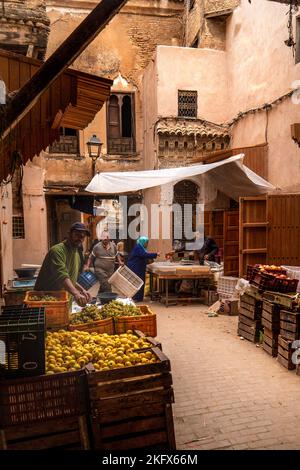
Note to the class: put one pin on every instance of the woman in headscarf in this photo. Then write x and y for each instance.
(138, 263)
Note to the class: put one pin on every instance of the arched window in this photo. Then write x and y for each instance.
(121, 124)
(186, 196)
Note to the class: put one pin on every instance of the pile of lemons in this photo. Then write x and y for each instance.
(68, 351)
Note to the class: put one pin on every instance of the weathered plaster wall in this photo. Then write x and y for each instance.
(150, 115)
(194, 18)
(34, 246)
(24, 23)
(260, 69)
(209, 32)
(6, 242)
(125, 46)
(203, 70)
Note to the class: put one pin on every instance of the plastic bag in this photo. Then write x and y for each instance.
(242, 286)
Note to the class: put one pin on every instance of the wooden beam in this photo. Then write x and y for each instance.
(62, 58)
(218, 14)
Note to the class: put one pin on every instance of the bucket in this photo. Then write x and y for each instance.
(87, 280)
(106, 297)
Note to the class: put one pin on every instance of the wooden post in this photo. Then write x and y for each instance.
(62, 58)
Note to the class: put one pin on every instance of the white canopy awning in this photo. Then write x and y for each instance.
(229, 176)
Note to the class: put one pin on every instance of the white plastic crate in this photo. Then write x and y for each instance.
(227, 284)
(294, 273)
(125, 281)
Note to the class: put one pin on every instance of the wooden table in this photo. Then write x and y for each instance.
(206, 279)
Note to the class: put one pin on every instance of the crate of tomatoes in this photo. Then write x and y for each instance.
(272, 278)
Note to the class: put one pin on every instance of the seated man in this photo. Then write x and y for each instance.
(208, 250)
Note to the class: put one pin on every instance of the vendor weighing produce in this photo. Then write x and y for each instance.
(63, 264)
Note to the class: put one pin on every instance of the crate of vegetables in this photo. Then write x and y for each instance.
(91, 319)
(56, 305)
(131, 317)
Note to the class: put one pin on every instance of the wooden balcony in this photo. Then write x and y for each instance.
(120, 146)
(67, 144)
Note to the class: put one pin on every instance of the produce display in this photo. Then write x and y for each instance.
(43, 298)
(88, 314)
(118, 309)
(68, 351)
(270, 269)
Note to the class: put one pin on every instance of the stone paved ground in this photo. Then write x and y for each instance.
(229, 394)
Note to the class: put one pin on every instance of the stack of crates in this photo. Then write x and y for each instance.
(228, 294)
(289, 333)
(250, 313)
(271, 324)
(22, 341)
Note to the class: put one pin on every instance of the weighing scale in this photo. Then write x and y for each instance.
(22, 283)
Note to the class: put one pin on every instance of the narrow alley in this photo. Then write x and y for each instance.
(229, 394)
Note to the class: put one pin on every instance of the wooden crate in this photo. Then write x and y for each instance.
(57, 312)
(290, 325)
(247, 330)
(254, 293)
(284, 300)
(145, 323)
(153, 342)
(271, 308)
(270, 342)
(270, 324)
(43, 398)
(289, 335)
(250, 307)
(249, 322)
(289, 316)
(59, 434)
(285, 353)
(98, 326)
(131, 408)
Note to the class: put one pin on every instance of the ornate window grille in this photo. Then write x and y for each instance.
(187, 103)
(18, 226)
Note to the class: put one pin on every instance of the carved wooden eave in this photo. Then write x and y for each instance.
(191, 127)
(181, 141)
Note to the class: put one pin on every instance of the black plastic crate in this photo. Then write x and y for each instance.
(22, 330)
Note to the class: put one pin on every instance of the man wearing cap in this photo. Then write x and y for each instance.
(63, 264)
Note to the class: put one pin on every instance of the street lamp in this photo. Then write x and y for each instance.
(94, 146)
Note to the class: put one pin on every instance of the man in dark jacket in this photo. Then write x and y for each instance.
(208, 250)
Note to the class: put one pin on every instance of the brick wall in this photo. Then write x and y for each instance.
(211, 32)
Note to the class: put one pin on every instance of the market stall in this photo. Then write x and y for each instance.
(269, 312)
(93, 379)
(163, 273)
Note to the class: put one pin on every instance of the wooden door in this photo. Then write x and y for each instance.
(284, 229)
(231, 243)
(207, 222)
(253, 232)
(217, 228)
